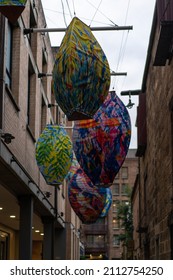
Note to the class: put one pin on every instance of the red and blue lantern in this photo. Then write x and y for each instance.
(101, 144)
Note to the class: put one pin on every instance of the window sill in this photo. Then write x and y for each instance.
(9, 92)
(31, 133)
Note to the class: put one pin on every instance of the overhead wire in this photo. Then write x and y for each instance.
(69, 9)
(101, 13)
(123, 44)
(95, 12)
(74, 8)
(67, 14)
(63, 13)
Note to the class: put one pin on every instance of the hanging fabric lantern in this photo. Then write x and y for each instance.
(73, 168)
(54, 154)
(101, 144)
(12, 9)
(108, 202)
(81, 74)
(87, 201)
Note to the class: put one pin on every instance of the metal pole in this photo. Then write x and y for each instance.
(118, 73)
(41, 75)
(103, 28)
(131, 92)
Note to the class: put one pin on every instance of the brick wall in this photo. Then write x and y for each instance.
(156, 164)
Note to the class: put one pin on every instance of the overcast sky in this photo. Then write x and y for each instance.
(125, 50)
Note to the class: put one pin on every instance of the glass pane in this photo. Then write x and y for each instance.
(115, 189)
(124, 172)
(9, 56)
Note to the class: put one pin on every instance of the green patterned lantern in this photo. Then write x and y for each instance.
(81, 74)
(12, 9)
(54, 154)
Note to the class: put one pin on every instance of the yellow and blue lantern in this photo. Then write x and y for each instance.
(54, 154)
(12, 9)
(81, 74)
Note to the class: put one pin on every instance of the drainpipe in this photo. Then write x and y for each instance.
(2, 80)
(139, 200)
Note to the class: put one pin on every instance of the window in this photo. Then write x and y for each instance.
(124, 189)
(44, 68)
(95, 239)
(58, 115)
(114, 205)
(115, 223)
(43, 115)
(30, 91)
(33, 22)
(124, 172)
(31, 101)
(115, 189)
(117, 176)
(9, 56)
(116, 241)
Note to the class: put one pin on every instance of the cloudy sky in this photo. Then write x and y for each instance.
(125, 50)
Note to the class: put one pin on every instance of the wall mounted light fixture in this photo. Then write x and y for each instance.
(8, 137)
(130, 93)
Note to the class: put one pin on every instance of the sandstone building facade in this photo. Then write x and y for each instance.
(153, 192)
(36, 221)
(101, 239)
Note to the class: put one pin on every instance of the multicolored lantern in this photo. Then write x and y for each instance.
(108, 202)
(54, 154)
(12, 9)
(81, 74)
(101, 144)
(86, 200)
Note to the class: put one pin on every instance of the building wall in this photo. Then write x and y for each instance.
(99, 238)
(156, 163)
(24, 100)
(126, 176)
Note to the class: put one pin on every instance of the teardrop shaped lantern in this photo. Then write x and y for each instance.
(101, 144)
(54, 154)
(108, 202)
(86, 200)
(12, 9)
(81, 69)
(73, 168)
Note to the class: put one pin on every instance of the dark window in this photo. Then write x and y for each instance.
(31, 75)
(115, 223)
(116, 241)
(8, 78)
(124, 189)
(115, 189)
(124, 172)
(43, 115)
(95, 239)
